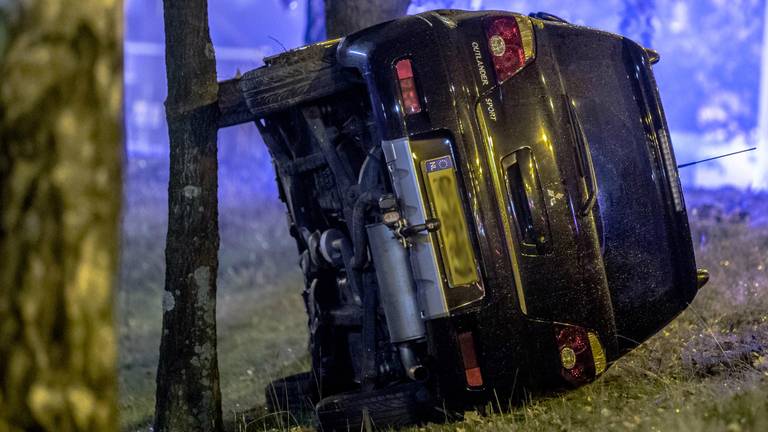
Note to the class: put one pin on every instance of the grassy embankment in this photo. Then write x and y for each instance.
(708, 370)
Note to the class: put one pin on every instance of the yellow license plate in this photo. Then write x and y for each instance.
(455, 246)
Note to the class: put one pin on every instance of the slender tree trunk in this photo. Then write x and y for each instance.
(60, 157)
(343, 17)
(188, 396)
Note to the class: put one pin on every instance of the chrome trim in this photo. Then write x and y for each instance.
(426, 270)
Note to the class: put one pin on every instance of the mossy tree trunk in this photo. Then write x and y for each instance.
(60, 159)
(188, 396)
(343, 17)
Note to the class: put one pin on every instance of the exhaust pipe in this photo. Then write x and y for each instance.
(413, 369)
(397, 292)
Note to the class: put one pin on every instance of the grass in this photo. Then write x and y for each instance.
(708, 370)
(260, 314)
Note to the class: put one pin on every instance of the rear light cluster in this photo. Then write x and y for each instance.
(408, 94)
(582, 357)
(510, 42)
(471, 366)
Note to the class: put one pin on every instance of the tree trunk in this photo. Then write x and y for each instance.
(188, 396)
(60, 158)
(343, 17)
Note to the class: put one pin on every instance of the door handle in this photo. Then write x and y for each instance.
(526, 201)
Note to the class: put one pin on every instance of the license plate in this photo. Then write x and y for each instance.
(453, 237)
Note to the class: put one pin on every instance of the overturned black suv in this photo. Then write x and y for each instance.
(485, 204)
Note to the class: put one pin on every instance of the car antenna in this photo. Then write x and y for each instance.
(716, 157)
(274, 39)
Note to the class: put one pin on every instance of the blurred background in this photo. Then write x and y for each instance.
(709, 76)
(710, 82)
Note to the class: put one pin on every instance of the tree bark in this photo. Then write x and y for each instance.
(343, 17)
(60, 158)
(188, 397)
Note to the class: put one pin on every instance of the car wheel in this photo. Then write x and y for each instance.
(395, 406)
(295, 77)
(293, 396)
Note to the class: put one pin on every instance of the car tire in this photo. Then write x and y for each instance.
(390, 407)
(294, 396)
(295, 77)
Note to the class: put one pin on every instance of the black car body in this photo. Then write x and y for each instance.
(535, 196)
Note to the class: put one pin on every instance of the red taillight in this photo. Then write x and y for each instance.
(581, 355)
(408, 94)
(574, 338)
(471, 366)
(510, 47)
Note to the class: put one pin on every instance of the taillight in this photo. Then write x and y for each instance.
(582, 357)
(510, 41)
(471, 367)
(408, 94)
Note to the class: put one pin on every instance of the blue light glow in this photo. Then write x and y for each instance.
(708, 76)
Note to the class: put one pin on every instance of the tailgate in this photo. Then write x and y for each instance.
(645, 237)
